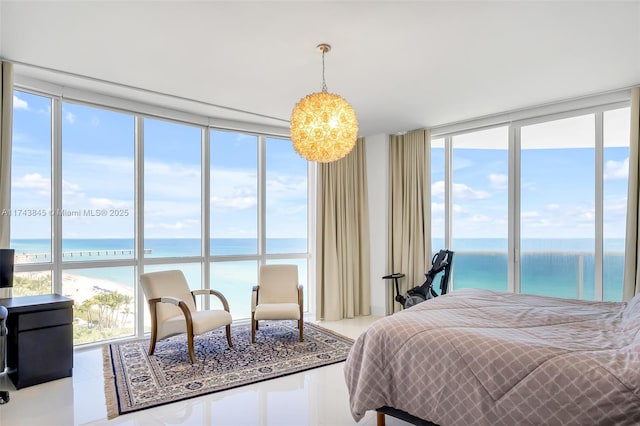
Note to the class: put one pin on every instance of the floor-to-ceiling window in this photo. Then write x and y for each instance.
(615, 162)
(235, 217)
(286, 208)
(96, 219)
(538, 205)
(480, 168)
(101, 195)
(557, 207)
(31, 193)
(438, 196)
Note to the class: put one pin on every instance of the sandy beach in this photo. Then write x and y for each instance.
(81, 288)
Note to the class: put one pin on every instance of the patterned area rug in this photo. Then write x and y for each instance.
(135, 381)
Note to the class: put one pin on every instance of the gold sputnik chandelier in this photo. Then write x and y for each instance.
(324, 127)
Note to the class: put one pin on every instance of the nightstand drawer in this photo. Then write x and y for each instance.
(50, 318)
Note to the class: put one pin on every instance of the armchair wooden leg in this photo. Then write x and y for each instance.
(380, 420)
(154, 329)
(152, 344)
(253, 327)
(300, 328)
(190, 345)
(229, 335)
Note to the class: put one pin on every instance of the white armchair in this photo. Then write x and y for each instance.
(172, 306)
(278, 296)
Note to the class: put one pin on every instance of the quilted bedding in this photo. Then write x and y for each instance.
(479, 357)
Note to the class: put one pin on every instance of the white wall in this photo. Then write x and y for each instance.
(377, 149)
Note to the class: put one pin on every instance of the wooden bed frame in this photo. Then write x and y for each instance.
(399, 414)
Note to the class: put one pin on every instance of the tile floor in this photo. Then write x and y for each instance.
(314, 397)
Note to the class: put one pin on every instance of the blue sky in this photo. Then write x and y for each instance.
(98, 162)
(557, 180)
(98, 173)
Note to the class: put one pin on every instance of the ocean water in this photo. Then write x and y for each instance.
(555, 267)
(234, 279)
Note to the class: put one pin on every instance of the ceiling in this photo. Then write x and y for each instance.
(402, 65)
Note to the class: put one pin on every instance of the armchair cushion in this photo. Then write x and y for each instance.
(274, 311)
(203, 322)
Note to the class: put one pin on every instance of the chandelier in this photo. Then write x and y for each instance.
(324, 127)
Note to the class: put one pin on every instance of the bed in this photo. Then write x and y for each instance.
(480, 357)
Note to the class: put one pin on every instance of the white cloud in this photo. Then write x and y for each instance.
(552, 207)
(234, 202)
(179, 225)
(33, 181)
(460, 191)
(530, 214)
(234, 189)
(95, 121)
(70, 118)
(499, 181)
(587, 216)
(437, 189)
(616, 169)
(20, 103)
(616, 206)
(465, 192)
(107, 203)
(69, 188)
(480, 218)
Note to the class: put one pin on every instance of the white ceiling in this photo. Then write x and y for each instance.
(402, 65)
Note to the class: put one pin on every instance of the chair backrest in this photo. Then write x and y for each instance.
(167, 284)
(278, 284)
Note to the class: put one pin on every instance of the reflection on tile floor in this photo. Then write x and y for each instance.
(314, 397)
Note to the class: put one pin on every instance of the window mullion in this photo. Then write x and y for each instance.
(448, 195)
(206, 209)
(56, 182)
(513, 261)
(138, 198)
(599, 207)
(262, 191)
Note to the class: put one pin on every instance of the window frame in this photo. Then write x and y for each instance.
(515, 121)
(140, 112)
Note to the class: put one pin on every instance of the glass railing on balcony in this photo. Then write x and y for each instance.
(567, 274)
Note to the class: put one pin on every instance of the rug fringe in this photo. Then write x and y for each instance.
(109, 384)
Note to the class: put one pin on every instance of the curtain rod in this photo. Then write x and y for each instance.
(140, 89)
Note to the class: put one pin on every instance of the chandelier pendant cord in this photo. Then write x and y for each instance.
(324, 84)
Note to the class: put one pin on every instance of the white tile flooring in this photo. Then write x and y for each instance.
(314, 397)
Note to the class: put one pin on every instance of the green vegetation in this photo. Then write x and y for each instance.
(104, 316)
(25, 286)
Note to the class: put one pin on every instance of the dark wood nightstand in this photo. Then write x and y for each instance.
(40, 338)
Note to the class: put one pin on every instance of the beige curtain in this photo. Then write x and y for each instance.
(631, 284)
(6, 125)
(409, 210)
(342, 238)
(6, 117)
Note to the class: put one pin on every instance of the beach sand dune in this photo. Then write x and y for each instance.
(81, 288)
